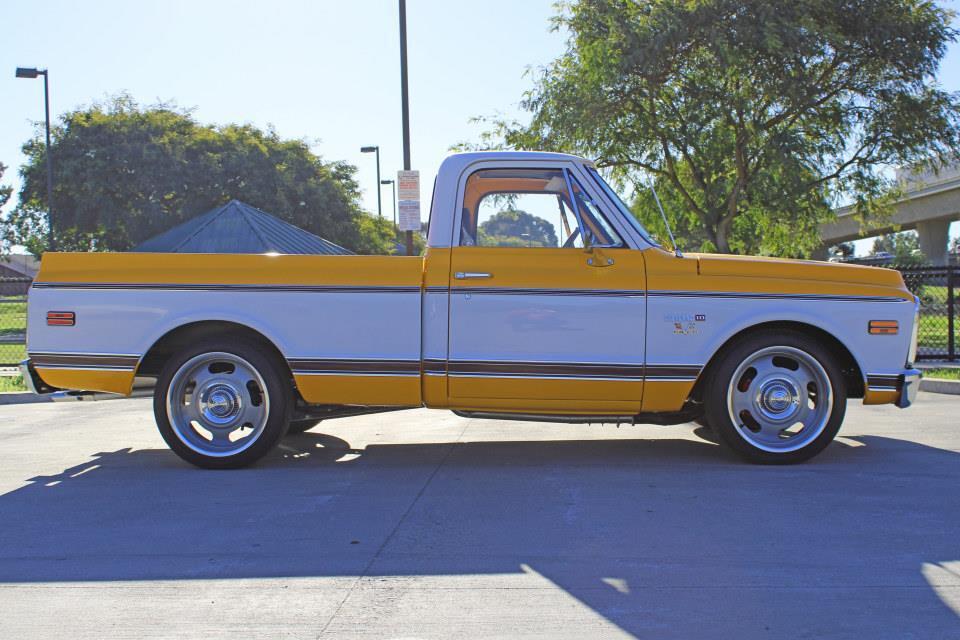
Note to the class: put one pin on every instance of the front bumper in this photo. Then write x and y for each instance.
(909, 385)
(33, 380)
(893, 388)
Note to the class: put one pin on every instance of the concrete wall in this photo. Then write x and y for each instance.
(930, 203)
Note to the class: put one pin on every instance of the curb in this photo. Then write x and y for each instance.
(22, 397)
(939, 385)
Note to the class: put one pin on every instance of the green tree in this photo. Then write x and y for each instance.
(512, 227)
(379, 236)
(904, 246)
(124, 173)
(752, 117)
(5, 190)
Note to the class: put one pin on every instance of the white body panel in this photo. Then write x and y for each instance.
(301, 324)
(726, 317)
(546, 328)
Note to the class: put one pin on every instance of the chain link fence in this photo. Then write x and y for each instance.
(13, 320)
(937, 289)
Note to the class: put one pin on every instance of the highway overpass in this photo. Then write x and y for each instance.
(931, 201)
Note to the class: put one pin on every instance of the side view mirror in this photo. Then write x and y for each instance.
(598, 258)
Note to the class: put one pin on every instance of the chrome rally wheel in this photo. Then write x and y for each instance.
(223, 403)
(217, 404)
(780, 399)
(776, 397)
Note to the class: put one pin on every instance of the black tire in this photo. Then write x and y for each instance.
(736, 436)
(276, 380)
(301, 426)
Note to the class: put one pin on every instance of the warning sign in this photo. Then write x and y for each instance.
(408, 200)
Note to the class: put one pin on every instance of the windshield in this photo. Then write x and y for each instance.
(624, 209)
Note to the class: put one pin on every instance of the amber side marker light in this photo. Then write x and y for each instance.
(883, 327)
(61, 318)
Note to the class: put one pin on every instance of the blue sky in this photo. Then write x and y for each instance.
(321, 70)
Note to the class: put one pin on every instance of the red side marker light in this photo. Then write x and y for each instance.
(61, 318)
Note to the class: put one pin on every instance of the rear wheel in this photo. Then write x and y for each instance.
(776, 398)
(222, 404)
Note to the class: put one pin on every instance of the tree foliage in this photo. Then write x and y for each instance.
(5, 190)
(753, 118)
(124, 173)
(379, 236)
(512, 227)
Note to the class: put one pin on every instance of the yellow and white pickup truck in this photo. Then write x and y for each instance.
(539, 297)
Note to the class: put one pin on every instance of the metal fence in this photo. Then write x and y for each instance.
(937, 289)
(13, 320)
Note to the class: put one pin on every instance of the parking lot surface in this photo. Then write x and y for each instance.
(420, 524)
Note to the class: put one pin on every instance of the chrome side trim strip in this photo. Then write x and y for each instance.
(884, 381)
(85, 361)
(604, 293)
(258, 288)
(774, 296)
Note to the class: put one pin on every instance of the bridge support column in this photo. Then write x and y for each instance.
(934, 237)
(823, 253)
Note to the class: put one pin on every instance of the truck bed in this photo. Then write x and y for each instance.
(348, 326)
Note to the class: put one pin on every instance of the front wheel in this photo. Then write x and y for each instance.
(223, 403)
(776, 398)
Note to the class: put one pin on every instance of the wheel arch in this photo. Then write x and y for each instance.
(189, 333)
(849, 367)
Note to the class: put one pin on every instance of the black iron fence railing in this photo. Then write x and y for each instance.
(13, 320)
(937, 289)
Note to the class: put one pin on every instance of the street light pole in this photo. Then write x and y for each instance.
(23, 72)
(375, 149)
(405, 103)
(392, 183)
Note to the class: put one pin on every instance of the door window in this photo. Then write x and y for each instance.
(519, 208)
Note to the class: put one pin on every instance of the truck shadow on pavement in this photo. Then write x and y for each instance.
(661, 537)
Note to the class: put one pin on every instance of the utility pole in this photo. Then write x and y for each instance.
(405, 103)
(375, 149)
(32, 72)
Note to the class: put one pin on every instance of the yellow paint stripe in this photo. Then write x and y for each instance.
(665, 395)
(153, 268)
(88, 379)
(880, 396)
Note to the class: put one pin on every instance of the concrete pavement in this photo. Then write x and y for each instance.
(423, 525)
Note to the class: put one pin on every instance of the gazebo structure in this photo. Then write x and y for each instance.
(237, 227)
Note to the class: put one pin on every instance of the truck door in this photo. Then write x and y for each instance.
(547, 303)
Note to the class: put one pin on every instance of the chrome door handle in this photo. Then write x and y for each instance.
(470, 275)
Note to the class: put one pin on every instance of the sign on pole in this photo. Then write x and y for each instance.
(408, 200)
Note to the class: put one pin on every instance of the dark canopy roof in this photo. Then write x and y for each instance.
(236, 227)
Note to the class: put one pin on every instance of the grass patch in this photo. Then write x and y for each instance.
(13, 328)
(12, 383)
(943, 373)
(933, 331)
(12, 354)
(13, 316)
